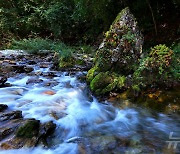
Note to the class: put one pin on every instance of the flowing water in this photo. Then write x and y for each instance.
(85, 125)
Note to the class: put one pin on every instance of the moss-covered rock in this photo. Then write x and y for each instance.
(91, 73)
(122, 45)
(105, 82)
(117, 56)
(29, 129)
(101, 81)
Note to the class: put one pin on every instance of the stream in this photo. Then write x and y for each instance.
(85, 125)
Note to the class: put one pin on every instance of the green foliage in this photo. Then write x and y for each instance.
(72, 20)
(129, 36)
(43, 46)
(155, 68)
(66, 56)
(58, 15)
(175, 66)
(121, 81)
(160, 58)
(86, 49)
(36, 45)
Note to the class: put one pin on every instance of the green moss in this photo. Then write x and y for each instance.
(121, 81)
(103, 59)
(107, 82)
(110, 87)
(80, 62)
(101, 81)
(91, 73)
(29, 129)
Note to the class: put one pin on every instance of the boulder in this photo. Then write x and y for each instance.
(118, 55)
(122, 45)
(29, 129)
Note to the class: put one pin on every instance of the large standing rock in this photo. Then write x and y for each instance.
(122, 45)
(120, 50)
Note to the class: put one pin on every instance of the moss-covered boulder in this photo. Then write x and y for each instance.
(105, 82)
(29, 129)
(122, 45)
(117, 56)
(100, 82)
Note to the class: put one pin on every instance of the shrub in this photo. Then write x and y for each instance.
(155, 68)
(160, 58)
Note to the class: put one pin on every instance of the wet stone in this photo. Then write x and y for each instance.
(31, 62)
(48, 128)
(29, 129)
(11, 115)
(5, 132)
(34, 80)
(3, 107)
(2, 80)
(103, 144)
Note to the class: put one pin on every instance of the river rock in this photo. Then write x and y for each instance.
(44, 65)
(3, 107)
(34, 80)
(47, 128)
(10, 115)
(11, 68)
(31, 62)
(16, 132)
(122, 45)
(28, 129)
(50, 83)
(3, 79)
(22, 68)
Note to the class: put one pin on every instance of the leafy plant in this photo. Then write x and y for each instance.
(156, 67)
